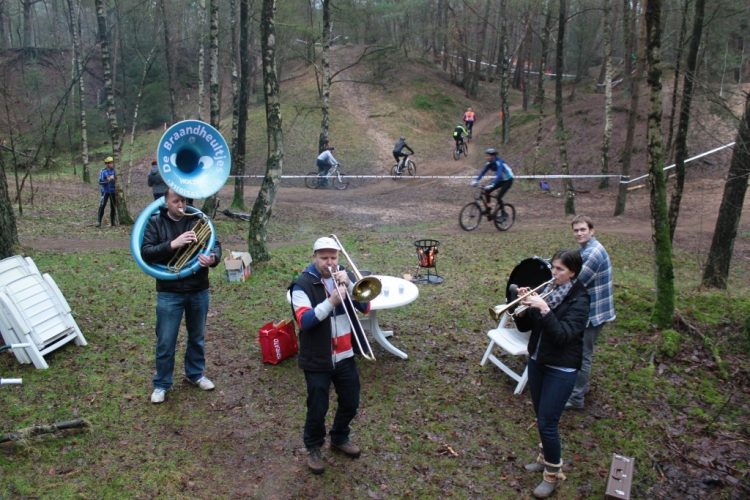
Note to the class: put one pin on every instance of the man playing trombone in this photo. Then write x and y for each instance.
(326, 353)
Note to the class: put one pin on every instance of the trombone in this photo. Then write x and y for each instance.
(368, 355)
(365, 289)
(497, 311)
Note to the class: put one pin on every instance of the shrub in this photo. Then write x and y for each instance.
(670, 343)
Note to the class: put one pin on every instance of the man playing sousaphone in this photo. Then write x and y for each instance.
(326, 353)
(168, 232)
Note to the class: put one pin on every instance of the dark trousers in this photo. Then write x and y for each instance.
(345, 378)
(550, 389)
(500, 189)
(398, 157)
(103, 202)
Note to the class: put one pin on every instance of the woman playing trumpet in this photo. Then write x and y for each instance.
(556, 318)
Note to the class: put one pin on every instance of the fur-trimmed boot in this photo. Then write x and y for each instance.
(551, 478)
(538, 464)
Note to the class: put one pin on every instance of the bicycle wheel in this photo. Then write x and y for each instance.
(457, 153)
(504, 222)
(470, 216)
(411, 168)
(340, 181)
(465, 149)
(312, 182)
(395, 173)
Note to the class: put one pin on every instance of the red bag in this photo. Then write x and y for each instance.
(278, 341)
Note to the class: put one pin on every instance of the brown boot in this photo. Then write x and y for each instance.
(550, 479)
(349, 449)
(315, 461)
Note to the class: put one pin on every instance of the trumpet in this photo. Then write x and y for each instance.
(497, 311)
(368, 355)
(365, 289)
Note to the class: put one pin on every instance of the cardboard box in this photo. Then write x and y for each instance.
(238, 266)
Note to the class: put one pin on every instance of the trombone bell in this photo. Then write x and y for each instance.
(366, 289)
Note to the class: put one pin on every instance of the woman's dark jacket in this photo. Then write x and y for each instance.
(156, 249)
(561, 329)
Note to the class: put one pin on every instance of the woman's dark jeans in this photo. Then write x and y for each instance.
(550, 389)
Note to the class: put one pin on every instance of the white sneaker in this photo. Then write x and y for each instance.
(204, 383)
(158, 396)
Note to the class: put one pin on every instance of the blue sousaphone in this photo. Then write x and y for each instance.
(194, 161)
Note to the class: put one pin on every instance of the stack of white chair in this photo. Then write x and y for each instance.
(513, 342)
(33, 311)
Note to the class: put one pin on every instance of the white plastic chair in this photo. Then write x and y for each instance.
(512, 342)
(15, 267)
(35, 311)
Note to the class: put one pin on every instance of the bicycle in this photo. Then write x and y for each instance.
(461, 148)
(9, 381)
(333, 177)
(406, 165)
(473, 213)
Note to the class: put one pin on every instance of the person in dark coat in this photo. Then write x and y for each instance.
(556, 319)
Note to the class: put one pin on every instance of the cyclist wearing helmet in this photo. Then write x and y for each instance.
(107, 179)
(398, 153)
(458, 134)
(503, 177)
(324, 162)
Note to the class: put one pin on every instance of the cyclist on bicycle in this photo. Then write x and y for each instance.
(324, 162)
(503, 178)
(398, 152)
(458, 135)
(469, 117)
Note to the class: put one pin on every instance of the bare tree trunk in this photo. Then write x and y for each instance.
(604, 183)
(8, 228)
(629, 42)
(682, 126)
(627, 149)
(664, 304)
(502, 61)
(74, 19)
(561, 134)
(28, 9)
(209, 204)
(202, 55)
(147, 63)
(325, 76)
(472, 88)
(4, 42)
(169, 61)
(261, 213)
(540, 83)
(676, 86)
(716, 272)
(123, 216)
(238, 201)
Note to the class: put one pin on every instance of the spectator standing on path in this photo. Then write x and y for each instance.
(158, 186)
(107, 180)
(596, 275)
(166, 233)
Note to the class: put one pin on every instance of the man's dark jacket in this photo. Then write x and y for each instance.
(160, 231)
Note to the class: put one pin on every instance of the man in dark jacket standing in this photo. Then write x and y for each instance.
(157, 184)
(107, 180)
(165, 234)
(326, 352)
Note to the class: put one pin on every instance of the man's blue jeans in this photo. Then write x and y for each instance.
(169, 309)
(345, 379)
(323, 168)
(550, 389)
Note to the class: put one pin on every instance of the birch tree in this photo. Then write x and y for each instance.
(168, 59)
(323, 77)
(209, 204)
(261, 213)
(115, 134)
(664, 304)
(74, 22)
(562, 140)
(244, 89)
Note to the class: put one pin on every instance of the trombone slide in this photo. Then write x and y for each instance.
(368, 354)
